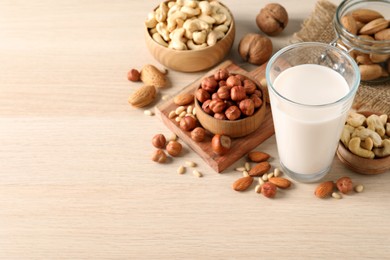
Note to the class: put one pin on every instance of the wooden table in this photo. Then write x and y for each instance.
(76, 179)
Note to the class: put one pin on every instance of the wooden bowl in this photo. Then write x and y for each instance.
(192, 60)
(359, 164)
(235, 128)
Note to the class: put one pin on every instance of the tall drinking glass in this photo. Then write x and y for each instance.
(311, 88)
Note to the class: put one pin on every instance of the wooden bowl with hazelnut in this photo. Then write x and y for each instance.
(362, 154)
(229, 104)
(179, 40)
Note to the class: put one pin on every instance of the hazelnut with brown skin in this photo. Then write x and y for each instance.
(159, 141)
(217, 105)
(221, 74)
(233, 81)
(249, 86)
(272, 19)
(188, 123)
(206, 107)
(256, 100)
(237, 93)
(209, 84)
(247, 107)
(233, 113)
(255, 48)
(202, 95)
(215, 96)
(224, 92)
(174, 148)
(220, 116)
(198, 134)
(344, 185)
(159, 156)
(269, 190)
(133, 75)
(220, 144)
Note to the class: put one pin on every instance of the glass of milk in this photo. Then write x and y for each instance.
(311, 88)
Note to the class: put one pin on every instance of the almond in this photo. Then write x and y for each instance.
(256, 156)
(383, 35)
(142, 96)
(324, 190)
(349, 24)
(242, 183)
(365, 15)
(374, 26)
(370, 72)
(259, 169)
(280, 182)
(183, 99)
(150, 75)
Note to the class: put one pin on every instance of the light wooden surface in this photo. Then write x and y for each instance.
(76, 179)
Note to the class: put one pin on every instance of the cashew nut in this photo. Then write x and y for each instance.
(207, 18)
(192, 46)
(363, 133)
(355, 119)
(383, 118)
(354, 147)
(219, 9)
(157, 37)
(163, 31)
(199, 37)
(388, 129)
(205, 7)
(193, 25)
(171, 4)
(346, 134)
(368, 144)
(385, 150)
(189, 11)
(214, 36)
(223, 28)
(191, 3)
(172, 20)
(180, 3)
(151, 22)
(162, 12)
(219, 18)
(375, 124)
(177, 39)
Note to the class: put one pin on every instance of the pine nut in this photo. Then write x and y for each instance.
(247, 166)
(149, 113)
(177, 119)
(245, 173)
(189, 109)
(265, 177)
(359, 188)
(165, 97)
(277, 172)
(194, 111)
(261, 182)
(258, 188)
(270, 175)
(181, 169)
(240, 169)
(190, 163)
(179, 110)
(172, 114)
(336, 195)
(182, 114)
(173, 137)
(197, 173)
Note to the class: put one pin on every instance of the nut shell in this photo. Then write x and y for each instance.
(255, 49)
(272, 19)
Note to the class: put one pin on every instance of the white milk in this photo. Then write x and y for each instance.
(307, 136)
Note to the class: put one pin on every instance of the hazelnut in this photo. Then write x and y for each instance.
(247, 107)
(224, 92)
(258, 93)
(222, 83)
(220, 144)
(159, 156)
(229, 103)
(272, 19)
(198, 134)
(187, 123)
(233, 113)
(217, 105)
(209, 84)
(241, 77)
(202, 95)
(220, 116)
(256, 101)
(221, 74)
(174, 148)
(255, 49)
(159, 141)
(344, 185)
(269, 189)
(133, 75)
(232, 81)
(206, 107)
(237, 93)
(249, 86)
(215, 96)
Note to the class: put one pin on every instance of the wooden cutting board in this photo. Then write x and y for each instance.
(240, 146)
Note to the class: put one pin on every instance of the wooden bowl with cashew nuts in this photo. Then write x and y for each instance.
(370, 163)
(189, 36)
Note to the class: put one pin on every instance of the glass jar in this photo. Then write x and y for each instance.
(371, 54)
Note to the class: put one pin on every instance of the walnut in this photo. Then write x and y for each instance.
(255, 49)
(272, 19)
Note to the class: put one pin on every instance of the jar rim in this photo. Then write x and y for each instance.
(353, 40)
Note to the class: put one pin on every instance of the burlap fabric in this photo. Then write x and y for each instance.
(318, 27)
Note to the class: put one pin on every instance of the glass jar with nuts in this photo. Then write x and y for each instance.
(363, 29)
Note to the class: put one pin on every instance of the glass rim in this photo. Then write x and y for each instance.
(351, 91)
